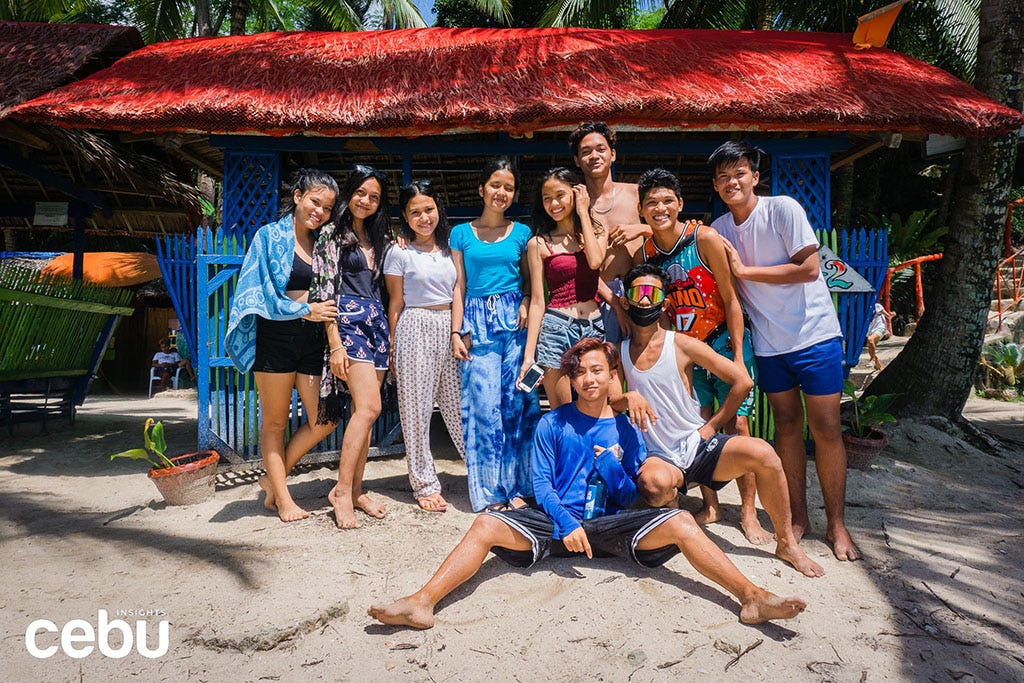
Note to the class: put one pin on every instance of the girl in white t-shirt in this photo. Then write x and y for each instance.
(420, 279)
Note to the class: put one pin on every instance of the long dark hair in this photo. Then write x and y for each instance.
(406, 195)
(304, 180)
(378, 226)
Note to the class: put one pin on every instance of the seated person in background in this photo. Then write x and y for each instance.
(570, 443)
(684, 448)
(878, 329)
(166, 363)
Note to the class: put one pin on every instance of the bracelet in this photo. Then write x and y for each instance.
(337, 348)
(457, 333)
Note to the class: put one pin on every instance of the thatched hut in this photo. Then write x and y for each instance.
(436, 101)
(111, 186)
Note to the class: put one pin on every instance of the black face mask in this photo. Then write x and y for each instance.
(644, 317)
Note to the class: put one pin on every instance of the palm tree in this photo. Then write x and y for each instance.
(953, 327)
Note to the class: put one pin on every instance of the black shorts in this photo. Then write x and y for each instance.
(702, 469)
(289, 346)
(612, 535)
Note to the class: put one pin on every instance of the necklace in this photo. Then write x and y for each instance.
(611, 203)
(430, 251)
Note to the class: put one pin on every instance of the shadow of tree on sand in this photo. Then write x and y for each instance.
(33, 518)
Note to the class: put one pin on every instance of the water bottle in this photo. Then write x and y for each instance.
(597, 496)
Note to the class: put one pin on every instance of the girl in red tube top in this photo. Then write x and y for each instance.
(564, 255)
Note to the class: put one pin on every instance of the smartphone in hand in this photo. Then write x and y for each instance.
(531, 379)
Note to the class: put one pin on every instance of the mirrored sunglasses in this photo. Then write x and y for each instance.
(638, 293)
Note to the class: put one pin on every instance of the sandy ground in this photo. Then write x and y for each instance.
(940, 595)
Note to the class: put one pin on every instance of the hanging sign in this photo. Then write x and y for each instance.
(838, 275)
(51, 214)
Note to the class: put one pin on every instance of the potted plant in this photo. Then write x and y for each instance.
(861, 435)
(182, 480)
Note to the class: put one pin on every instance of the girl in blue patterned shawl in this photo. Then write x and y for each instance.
(276, 333)
(347, 267)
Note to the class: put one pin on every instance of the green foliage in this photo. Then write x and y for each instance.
(1004, 363)
(912, 236)
(153, 442)
(867, 411)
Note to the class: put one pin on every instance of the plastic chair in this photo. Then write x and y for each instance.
(155, 377)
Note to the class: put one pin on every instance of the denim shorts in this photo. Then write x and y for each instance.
(710, 388)
(817, 369)
(363, 326)
(559, 332)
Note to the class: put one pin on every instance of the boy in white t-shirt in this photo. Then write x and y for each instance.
(773, 254)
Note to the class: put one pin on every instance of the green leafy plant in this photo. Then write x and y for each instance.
(1004, 361)
(153, 443)
(911, 236)
(867, 411)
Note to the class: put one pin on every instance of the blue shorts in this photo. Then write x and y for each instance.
(363, 325)
(710, 388)
(559, 332)
(817, 370)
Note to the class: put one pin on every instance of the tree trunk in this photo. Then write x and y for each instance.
(934, 373)
(204, 27)
(239, 13)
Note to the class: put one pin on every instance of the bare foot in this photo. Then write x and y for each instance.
(344, 514)
(768, 606)
(842, 544)
(287, 510)
(403, 612)
(708, 514)
(370, 506)
(433, 503)
(753, 531)
(795, 555)
(800, 527)
(269, 501)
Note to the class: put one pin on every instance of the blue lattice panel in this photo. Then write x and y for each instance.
(805, 178)
(867, 252)
(251, 181)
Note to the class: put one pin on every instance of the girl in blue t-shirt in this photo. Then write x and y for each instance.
(488, 334)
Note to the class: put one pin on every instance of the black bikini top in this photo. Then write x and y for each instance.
(302, 275)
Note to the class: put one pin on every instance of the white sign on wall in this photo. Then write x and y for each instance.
(51, 214)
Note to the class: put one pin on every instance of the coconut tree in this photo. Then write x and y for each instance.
(933, 374)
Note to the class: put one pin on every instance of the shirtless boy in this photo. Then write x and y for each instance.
(570, 442)
(683, 448)
(773, 254)
(613, 205)
(703, 304)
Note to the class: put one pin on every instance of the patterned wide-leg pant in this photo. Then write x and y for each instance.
(498, 420)
(426, 374)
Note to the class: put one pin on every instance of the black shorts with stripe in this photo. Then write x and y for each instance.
(612, 535)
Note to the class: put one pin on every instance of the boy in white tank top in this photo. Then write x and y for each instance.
(658, 367)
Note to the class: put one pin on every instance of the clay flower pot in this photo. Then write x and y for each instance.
(861, 451)
(190, 481)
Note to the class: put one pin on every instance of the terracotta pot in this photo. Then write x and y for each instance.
(190, 481)
(861, 451)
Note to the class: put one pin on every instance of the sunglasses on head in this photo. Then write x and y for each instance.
(638, 293)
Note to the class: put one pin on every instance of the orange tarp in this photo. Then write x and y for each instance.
(108, 268)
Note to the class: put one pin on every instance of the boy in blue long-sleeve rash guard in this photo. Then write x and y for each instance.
(566, 443)
(560, 483)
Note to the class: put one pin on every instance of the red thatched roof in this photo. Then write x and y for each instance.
(431, 81)
(35, 58)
